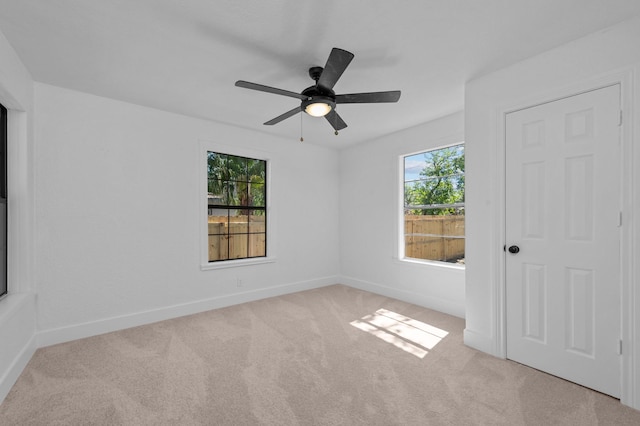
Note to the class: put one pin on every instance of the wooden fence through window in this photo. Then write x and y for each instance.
(434, 237)
(236, 237)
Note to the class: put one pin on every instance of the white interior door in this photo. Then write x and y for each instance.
(563, 213)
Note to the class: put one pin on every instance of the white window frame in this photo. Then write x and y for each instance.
(400, 213)
(208, 146)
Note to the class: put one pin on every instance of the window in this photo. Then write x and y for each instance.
(236, 207)
(3, 201)
(434, 205)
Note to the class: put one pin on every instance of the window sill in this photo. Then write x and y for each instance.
(13, 302)
(236, 263)
(431, 263)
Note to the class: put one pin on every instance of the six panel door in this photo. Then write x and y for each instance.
(563, 214)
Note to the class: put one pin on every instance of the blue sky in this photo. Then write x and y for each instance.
(414, 164)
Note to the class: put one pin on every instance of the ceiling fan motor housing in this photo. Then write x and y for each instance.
(317, 94)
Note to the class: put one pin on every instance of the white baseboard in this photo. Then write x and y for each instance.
(437, 304)
(480, 341)
(94, 328)
(17, 337)
(17, 366)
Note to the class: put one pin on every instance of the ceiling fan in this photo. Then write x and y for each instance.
(320, 100)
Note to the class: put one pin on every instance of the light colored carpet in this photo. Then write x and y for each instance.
(299, 359)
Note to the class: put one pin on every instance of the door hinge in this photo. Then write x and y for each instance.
(620, 347)
(619, 219)
(620, 119)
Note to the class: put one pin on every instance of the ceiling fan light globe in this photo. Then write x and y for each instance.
(318, 109)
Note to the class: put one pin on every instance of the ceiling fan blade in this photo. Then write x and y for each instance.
(262, 88)
(338, 61)
(283, 116)
(335, 120)
(368, 98)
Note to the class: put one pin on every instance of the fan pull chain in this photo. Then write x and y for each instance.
(301, 138)
(336, 123)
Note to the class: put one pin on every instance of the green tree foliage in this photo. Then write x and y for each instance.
(236, 181)
(441, 182)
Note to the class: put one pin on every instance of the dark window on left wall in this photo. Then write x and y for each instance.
(236, 207)
(3, 201)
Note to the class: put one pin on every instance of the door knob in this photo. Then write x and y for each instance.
(514, 249)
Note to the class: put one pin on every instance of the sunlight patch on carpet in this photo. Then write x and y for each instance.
(408, 334)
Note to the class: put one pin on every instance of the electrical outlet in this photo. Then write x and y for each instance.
(238, 282)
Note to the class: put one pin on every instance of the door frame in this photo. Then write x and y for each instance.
(630, 296)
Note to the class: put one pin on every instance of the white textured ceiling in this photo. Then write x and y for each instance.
(185, 55)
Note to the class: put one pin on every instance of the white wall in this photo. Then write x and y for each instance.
(17, 310)
(118, 211)
(611, 55)
(369, 215)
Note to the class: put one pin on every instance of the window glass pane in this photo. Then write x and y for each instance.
(434, 205)
(238, 222)
(218, 230)
(435, 237)
(257, 245)
(454, 225)
(216, 165)
(413, 166)
(218, 247)
(257, 194)
(257, 221)
(218, 221)
(245, 197)
(228, 193)
(237, 167)
(234, 184)
(238, 246)
(240, 194)
(217, 190)
(256, 168)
